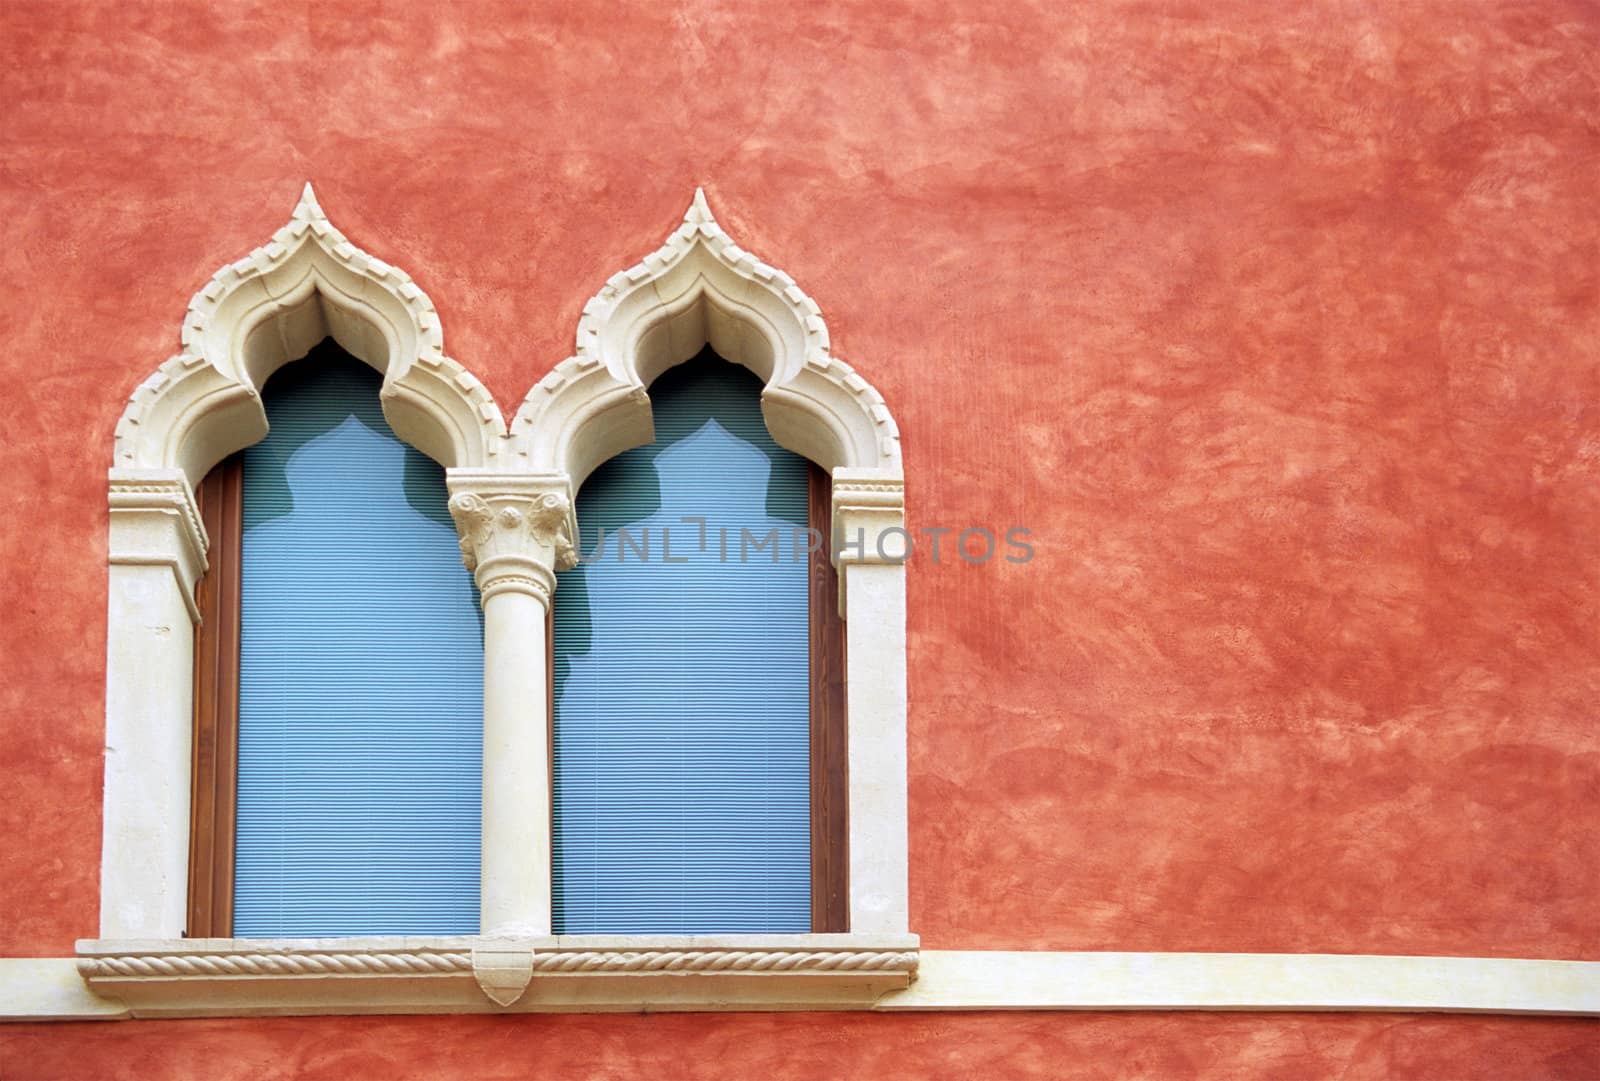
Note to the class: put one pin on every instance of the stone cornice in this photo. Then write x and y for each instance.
(155, 522)
(867, 510)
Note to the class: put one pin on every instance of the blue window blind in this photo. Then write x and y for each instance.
(682, 714)
(361, 671)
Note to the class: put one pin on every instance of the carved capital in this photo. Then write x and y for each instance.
(869, 517)
(516, 531)
(155, 522)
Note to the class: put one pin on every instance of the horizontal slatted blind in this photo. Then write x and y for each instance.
(361, 661)
(682, 784)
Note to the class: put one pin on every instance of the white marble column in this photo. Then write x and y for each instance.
(157, 554)
(515, 533)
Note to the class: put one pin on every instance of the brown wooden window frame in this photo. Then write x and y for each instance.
(215, 762)
(830, 780)
(214, 770)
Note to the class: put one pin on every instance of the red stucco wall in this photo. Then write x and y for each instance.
(1279, 325)
(990, 1047)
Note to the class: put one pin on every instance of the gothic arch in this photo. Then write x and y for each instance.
(306, 283)
(699, 289)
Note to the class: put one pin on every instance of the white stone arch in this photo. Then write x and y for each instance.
(698, 289)
(306, 283)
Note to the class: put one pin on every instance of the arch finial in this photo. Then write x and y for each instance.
(699, 212)
(308, 282)
(700, 288)
(308, 209)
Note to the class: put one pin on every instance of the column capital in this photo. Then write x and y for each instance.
(516, 530)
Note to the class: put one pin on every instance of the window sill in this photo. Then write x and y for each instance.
(470, 974)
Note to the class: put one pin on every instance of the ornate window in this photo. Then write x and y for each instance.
(692, 680)
(339, 694)
(512, 501)
(201, 406)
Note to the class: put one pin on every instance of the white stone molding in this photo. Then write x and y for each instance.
(306, 283)
(516, 530)
(1045, 980)
(220, 977)
(157, 553)
(223, 977)
(701, 288)
(503, 968)
(155, 523)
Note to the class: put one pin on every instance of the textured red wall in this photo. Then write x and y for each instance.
(990, 1047)
(1279, 325)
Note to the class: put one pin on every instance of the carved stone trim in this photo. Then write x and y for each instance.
(503, 969)
(865, 511)
(154, 522)
(896, 962)
(483, 524)
(306, 963)
(255, 314)
(133, 489)
(698, 288)
(515, 530)
(198, 977)
(53, 988)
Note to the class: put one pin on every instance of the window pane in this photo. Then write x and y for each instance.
(361, 673)
(682, 721)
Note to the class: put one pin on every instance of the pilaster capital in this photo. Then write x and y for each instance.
(155, 522)
(516, 530)
(869, 517)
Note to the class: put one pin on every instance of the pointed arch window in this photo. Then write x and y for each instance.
(512, 490)
(338, 680)
(698, 698)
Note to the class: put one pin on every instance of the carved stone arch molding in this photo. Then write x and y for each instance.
(306, 283)
(698, 289)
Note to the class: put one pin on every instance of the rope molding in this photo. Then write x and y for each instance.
(168, 966)
(726, 961)
(327, 963)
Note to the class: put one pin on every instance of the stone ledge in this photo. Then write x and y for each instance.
(221, 977)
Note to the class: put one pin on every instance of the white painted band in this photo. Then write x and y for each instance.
(999, 980)
(50, 989)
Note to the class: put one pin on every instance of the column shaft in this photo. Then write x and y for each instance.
(516, 767)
